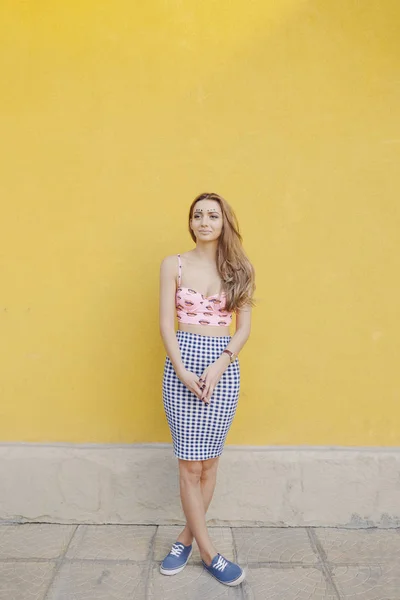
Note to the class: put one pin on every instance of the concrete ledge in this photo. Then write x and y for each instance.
(138, 484)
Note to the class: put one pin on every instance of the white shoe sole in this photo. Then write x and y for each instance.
(175, 571)
(230, 583)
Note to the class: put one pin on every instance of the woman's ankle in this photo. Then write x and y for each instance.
(185, 538)
(207, 556)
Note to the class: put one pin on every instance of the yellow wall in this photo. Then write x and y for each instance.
(114, 115)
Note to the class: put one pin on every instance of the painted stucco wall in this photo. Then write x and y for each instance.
(114, 115)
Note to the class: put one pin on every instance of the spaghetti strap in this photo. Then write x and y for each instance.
(179, 270)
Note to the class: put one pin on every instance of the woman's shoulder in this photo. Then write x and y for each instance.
(169, 263)
(173, 258)
(168, 260)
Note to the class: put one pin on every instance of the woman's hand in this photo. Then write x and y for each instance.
(211, 375)
(191, 381)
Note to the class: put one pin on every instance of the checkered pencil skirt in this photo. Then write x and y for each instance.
(199, 431)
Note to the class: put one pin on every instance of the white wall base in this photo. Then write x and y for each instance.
(138, 483)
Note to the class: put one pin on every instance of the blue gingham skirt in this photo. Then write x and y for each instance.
(199, 431)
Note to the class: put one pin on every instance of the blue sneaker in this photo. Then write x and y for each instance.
(225, 571)
(176, 560)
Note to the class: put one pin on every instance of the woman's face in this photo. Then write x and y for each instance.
(207, 220)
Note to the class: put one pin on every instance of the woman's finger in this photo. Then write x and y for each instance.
(203, 376)
(199, 384)
(203, 385)
(195, 387)
(197, 391)
(210, 393)
(205, 390)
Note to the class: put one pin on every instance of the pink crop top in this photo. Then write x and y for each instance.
(193, 307)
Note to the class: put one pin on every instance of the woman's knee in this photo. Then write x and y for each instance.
(209, 467)
(190, 471)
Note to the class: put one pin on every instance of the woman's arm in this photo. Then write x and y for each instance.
(168, 270)
(241, 335)
(212, 373)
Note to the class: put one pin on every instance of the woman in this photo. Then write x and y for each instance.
(201, 373)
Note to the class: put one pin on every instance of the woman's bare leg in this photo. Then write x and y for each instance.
(197, 483)
(207, 483)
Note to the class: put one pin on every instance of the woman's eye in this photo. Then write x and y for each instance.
(212, 216)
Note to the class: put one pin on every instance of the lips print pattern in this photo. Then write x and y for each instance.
(193, 307)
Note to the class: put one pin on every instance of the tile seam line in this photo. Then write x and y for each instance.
(105, 561)
(252, 525)
(150, 561)
(253, 564)
(326, 571)
(126, 561)
(241, 592)
(58, 564)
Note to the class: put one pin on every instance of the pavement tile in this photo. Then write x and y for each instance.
(270, 544)
(99, 581)
(116, 542)
(166, 536)
(193, 583)
(34, 540)
(372, 582)
(288, 583)
(361, 546)
(365, 563)
(24, 580)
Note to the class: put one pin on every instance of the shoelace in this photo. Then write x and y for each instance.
(176, 549)
(221, 563)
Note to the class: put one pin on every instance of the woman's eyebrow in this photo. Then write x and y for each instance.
(212, 210)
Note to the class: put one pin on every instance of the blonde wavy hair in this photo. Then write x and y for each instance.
(235, 269)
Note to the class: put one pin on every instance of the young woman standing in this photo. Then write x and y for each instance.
(201, 379)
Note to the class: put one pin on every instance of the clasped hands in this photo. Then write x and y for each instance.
(204, 385)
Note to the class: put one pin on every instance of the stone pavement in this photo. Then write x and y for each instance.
(120, 562)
